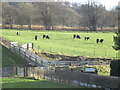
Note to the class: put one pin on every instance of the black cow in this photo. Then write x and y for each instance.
(76, 36)
(99, 40)
(36, 37)
(87, 38)
(18, 33)
(46, 36)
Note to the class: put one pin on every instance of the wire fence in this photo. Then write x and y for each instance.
(106, 53)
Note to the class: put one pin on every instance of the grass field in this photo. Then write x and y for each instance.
(30, 83)
(10, 59)
(61, 42)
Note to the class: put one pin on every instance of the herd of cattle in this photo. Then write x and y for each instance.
(74, 36)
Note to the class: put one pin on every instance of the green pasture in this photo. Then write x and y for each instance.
(31, 83)
(61, 42)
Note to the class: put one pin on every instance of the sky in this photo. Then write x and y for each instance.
(109, 4)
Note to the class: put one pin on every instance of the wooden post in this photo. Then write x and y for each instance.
(24, 54)
(19, 50)
(14, 47)
(27, 46)
(32, 45)
(15, 70)
(24, 70)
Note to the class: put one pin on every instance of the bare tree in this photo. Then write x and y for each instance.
(27, 13)
(45, 12)
(9, 13)
(92, 15)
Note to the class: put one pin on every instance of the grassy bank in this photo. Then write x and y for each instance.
(11, 59)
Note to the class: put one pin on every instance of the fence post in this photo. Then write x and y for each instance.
(30, 57)
(24, 70)
(32, 45)
(36, 59)
(16, 70)
(19, 51)
(27, 46)
(24, 54)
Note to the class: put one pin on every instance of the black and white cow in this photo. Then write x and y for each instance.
(46, 36)
(87, 38)
(18, 33)
(76, 36)
(99, 40)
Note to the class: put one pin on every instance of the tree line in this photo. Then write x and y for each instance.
(49, 14)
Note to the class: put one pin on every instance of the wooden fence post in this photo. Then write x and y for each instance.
(19, 51)
(32, 45)
(15, 70)
(27, 46)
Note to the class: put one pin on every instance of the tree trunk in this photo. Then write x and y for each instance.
(101, 28)
(29, 26)
(10, 26)
(21, 26)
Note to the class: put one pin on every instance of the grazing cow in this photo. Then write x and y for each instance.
(99, 40)
(87, 38)
(36, 37)
(46, 36)
(76, 36)
(18, 33)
